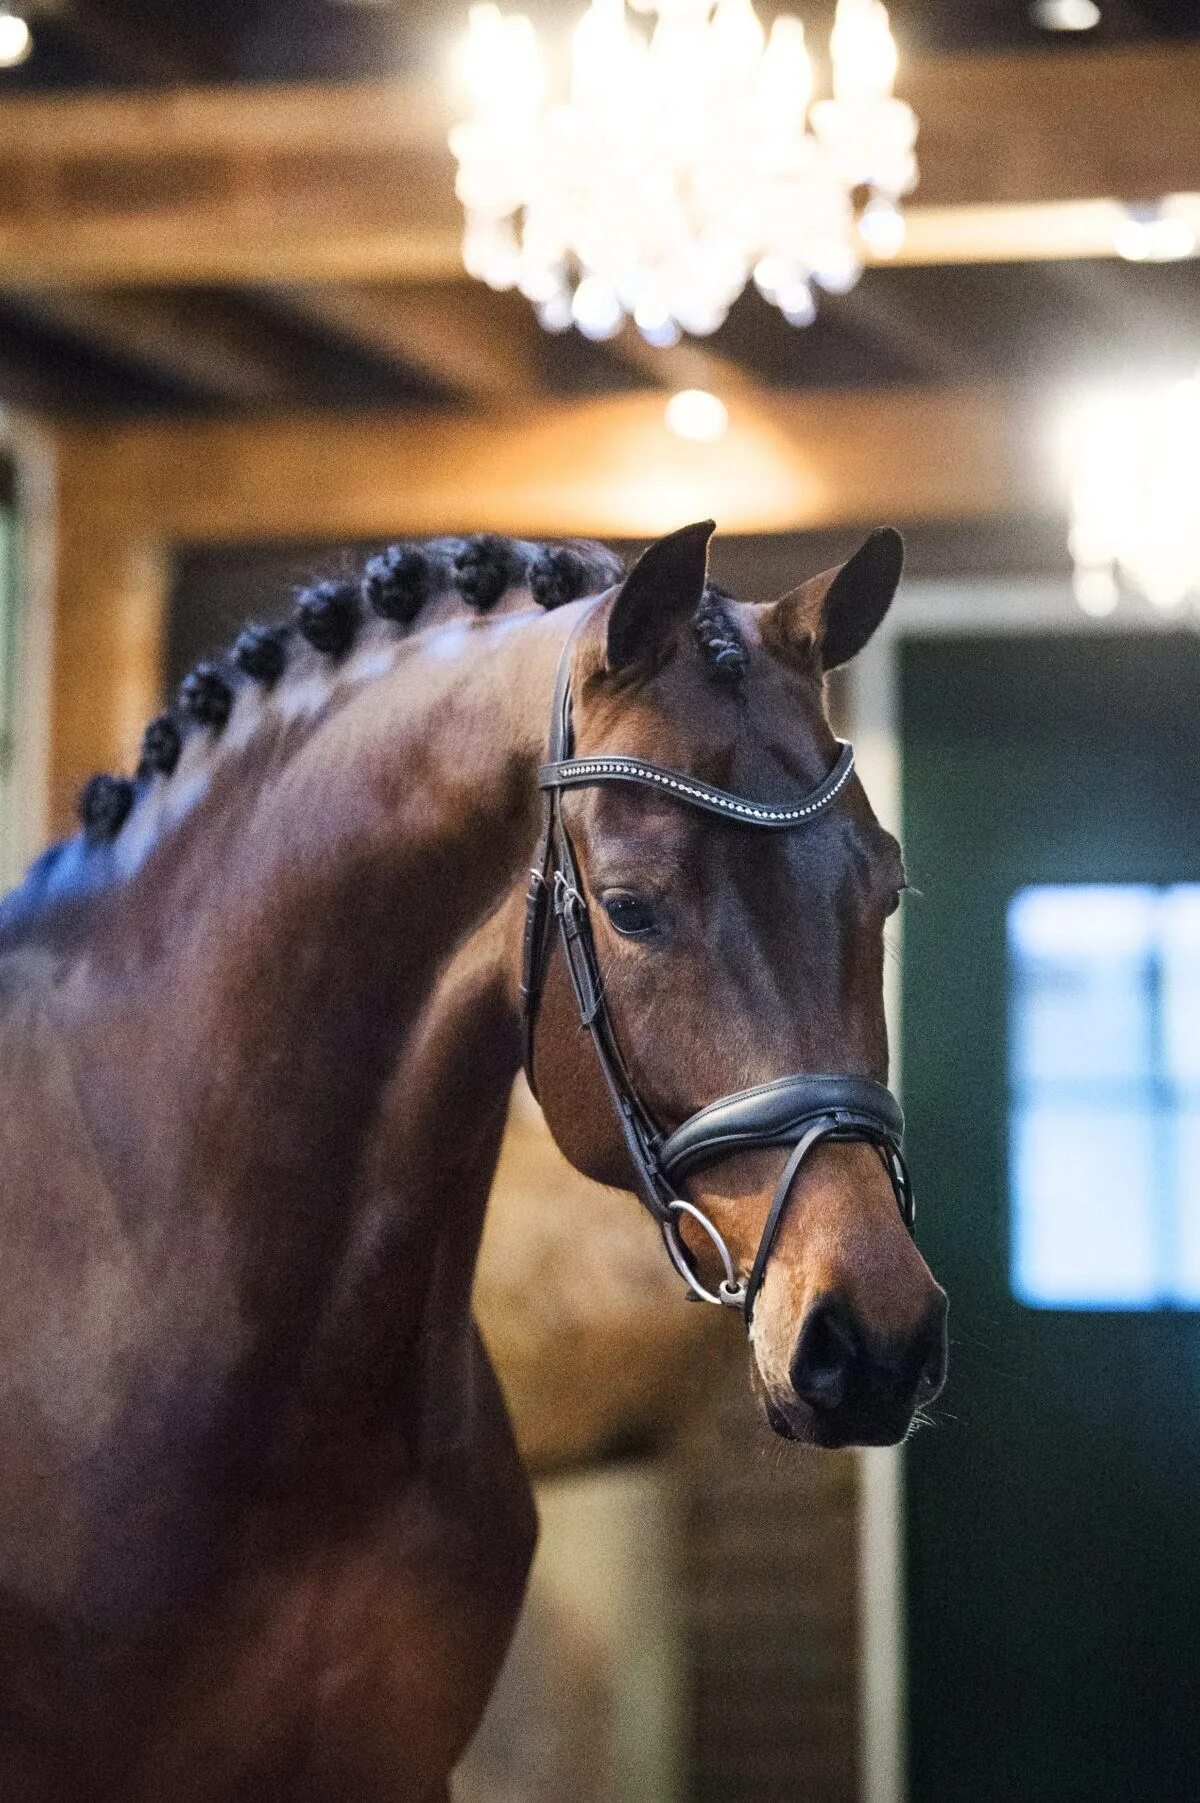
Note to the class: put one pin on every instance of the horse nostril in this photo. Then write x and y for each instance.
(824, 1359)
(933, 1370)
(927, 1360)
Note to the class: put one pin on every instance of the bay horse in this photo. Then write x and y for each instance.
(265, 1532)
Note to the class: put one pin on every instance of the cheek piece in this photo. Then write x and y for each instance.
(798, 1111)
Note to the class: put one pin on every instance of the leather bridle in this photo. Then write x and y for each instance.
(797, 1111)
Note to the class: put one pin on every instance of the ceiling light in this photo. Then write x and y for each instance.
(882, 228)
(1152, 235)
(1134, 472)
(686, 152)
(1066, 15)
(697, 415)
(16, 40)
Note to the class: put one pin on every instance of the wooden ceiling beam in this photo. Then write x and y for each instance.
(474, 344)
(194, 342)
(117, 47)
(1034, 127)
(875, 312)
(1022, 157)
(607, 467)
(688, 364)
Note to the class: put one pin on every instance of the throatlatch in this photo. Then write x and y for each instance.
(799, 1111)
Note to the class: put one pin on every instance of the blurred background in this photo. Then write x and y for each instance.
(244, 340)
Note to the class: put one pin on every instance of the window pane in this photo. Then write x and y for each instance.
(1104, 1095)
(1181, 984)
(1079, 960)
(1187, 1175)
(1083, 1215)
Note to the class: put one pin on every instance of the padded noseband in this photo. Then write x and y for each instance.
(797, 1111)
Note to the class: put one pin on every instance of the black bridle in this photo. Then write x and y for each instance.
(798, 1111)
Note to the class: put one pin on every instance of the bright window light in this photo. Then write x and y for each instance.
(1104, 1096)
(1132, 461)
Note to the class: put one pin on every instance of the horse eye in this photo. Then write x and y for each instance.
(630, 915)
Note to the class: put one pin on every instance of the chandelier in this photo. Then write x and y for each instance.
(688, 158)
(1134, 463)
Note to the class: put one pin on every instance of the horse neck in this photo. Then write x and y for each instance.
(321, 1003)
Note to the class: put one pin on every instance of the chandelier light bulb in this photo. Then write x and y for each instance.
(603, 58)
(1066, 15)
(1150, 234)
(16, 40)
(797, 302)
(736, 38)
(687, 154)
(596, 308)
(555, 314)
(882, 227)
(863, 52)
(786, 77)
(1096, 590)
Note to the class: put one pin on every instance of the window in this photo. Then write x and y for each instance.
(1104, 1095)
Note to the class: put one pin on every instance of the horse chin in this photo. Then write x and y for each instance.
(796, 1422)
(789, 1425)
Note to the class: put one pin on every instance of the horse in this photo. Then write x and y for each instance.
(265, 1530)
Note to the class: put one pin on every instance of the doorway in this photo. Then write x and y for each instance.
(1050, 1043)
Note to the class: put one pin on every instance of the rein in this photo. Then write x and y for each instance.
(797, 1111)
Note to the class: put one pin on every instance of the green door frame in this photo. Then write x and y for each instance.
(995, 608)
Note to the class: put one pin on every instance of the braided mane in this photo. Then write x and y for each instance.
(336, 627)
(332, 618)
(346, 630)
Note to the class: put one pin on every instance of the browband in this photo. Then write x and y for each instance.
(571, 773)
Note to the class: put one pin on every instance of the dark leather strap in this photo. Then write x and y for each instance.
(575, 772)
(829, 1127)
(797, 1111)
(777, 1114)
(538, 897)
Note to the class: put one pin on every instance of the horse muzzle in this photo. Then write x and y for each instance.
(852, 1387)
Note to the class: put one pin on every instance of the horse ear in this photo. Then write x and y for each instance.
(841, 608)
(662, 591)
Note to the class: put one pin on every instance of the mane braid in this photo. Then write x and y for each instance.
(394, 587)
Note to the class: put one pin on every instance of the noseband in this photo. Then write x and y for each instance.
(798, 1111)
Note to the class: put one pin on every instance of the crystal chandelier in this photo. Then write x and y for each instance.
(688, 157)
(1134, 477)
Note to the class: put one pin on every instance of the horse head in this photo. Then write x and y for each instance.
(727, 957)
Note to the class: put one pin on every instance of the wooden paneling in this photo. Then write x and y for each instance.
(110, 599)
(768, 1562)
